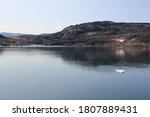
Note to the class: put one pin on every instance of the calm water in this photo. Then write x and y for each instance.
(74, 73)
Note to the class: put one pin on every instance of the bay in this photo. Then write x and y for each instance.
(68, 73)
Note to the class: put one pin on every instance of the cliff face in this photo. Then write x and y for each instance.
(99, 33)
(104, 33)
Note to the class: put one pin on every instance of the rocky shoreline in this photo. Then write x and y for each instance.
(103, 34)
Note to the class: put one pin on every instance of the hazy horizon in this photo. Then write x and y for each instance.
(49, 16)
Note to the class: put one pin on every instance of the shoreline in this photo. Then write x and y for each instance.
(92, 46)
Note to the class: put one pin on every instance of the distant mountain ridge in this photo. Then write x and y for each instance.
(10, 34)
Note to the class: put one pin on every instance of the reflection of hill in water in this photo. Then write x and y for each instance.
(90, 56)
(1, 50)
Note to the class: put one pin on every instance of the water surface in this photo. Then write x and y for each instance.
(74, 73)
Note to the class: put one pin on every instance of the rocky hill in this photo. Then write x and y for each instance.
(1, 36)
(4, 41)
(105, 33)
(8, 41)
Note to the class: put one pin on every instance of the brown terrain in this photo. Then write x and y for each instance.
(105, 33)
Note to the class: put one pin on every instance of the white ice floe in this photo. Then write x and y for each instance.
(120, 71)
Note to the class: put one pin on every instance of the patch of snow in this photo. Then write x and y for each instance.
(121, 40)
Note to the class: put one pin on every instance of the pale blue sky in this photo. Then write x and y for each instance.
(47, 16)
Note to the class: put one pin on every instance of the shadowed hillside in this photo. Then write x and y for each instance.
(105, 33)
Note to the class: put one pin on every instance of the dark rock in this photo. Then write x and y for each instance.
(4, 41)
(1, 36)
(105, 33)
(99, 33)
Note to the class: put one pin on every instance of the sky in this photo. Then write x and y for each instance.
(49, 16)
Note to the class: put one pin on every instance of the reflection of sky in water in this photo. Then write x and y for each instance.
(68, 73)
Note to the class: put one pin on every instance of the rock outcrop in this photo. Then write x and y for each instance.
(5, 41)
(9, 41)
(105, 33)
